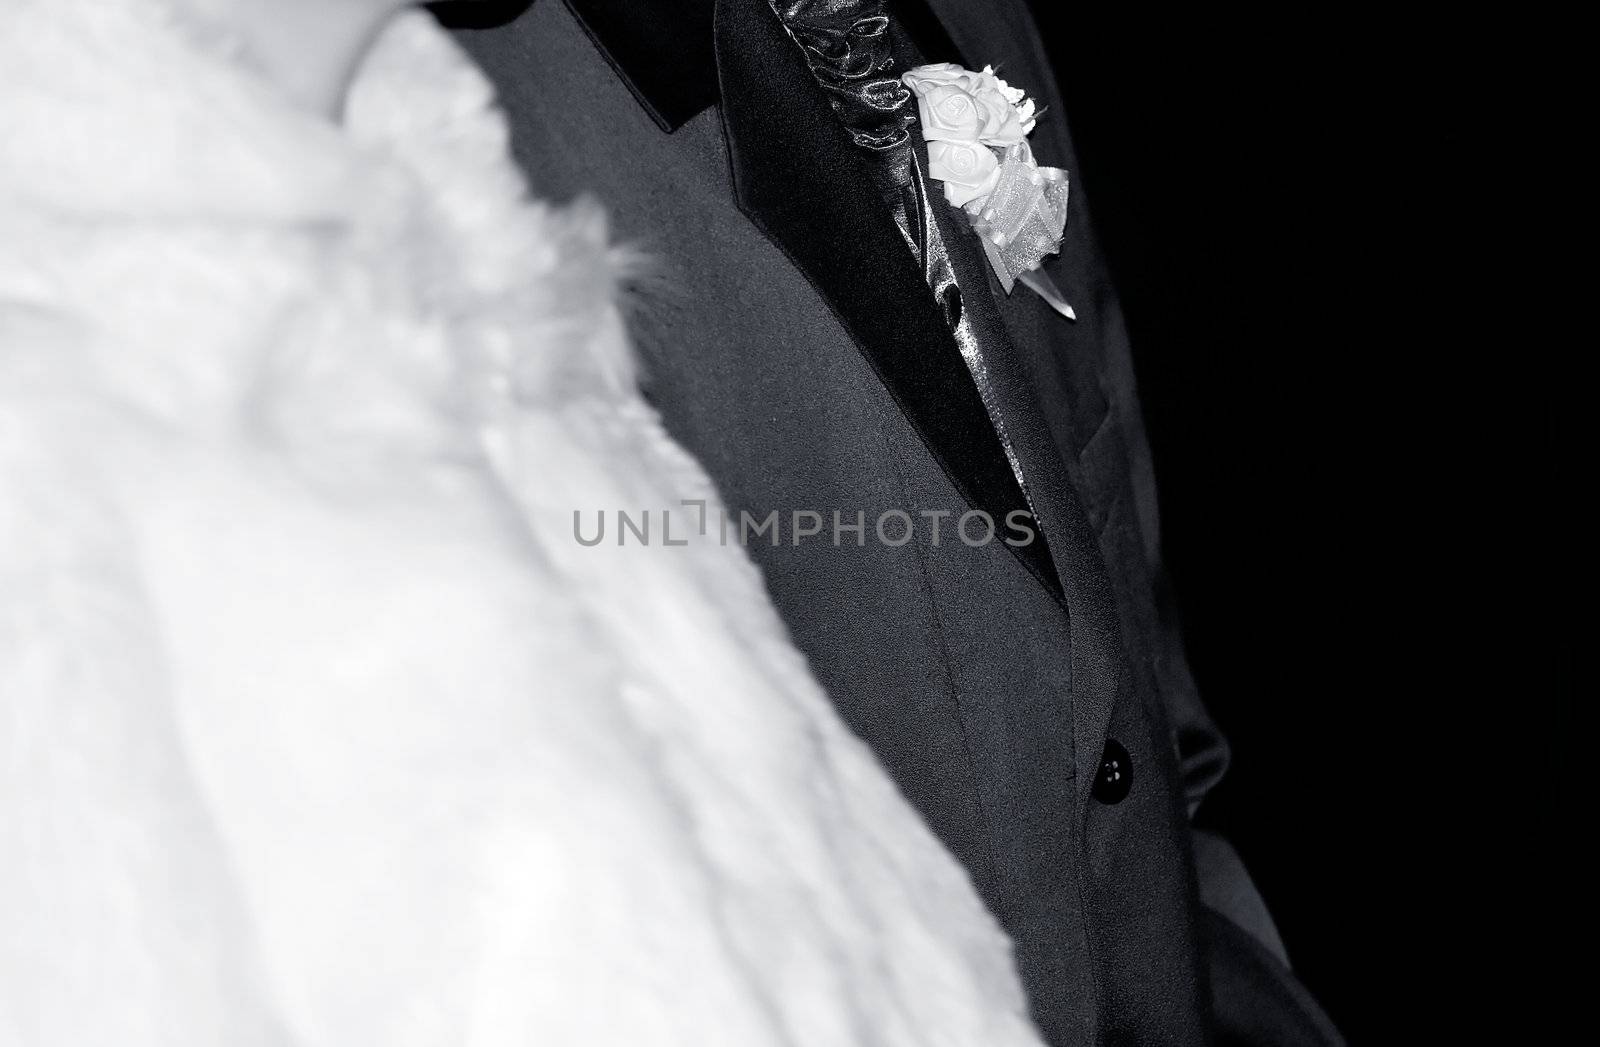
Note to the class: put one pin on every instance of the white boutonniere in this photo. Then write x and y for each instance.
(976, 127)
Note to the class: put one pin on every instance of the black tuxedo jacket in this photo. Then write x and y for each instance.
(791, 342)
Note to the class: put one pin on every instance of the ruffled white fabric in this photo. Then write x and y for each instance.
(317, 726)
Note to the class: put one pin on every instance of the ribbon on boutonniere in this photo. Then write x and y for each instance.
(976, 127)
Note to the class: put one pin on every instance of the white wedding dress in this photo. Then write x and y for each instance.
(318, 728)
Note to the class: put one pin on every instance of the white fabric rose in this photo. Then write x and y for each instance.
(990, 87)
(949, 114)
(969, 170)
(959, 105)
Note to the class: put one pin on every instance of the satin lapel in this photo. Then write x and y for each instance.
(1097, 654)
(798, 177)
(660, 49)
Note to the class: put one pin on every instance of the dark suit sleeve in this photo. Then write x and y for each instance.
(1202, 750)
(1135, 560)
(1257, 999)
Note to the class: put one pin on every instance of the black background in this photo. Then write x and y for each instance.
(1360, 462)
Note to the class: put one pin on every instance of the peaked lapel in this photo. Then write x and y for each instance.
(800, 179)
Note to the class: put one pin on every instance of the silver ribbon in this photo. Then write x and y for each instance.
(1021, 222)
